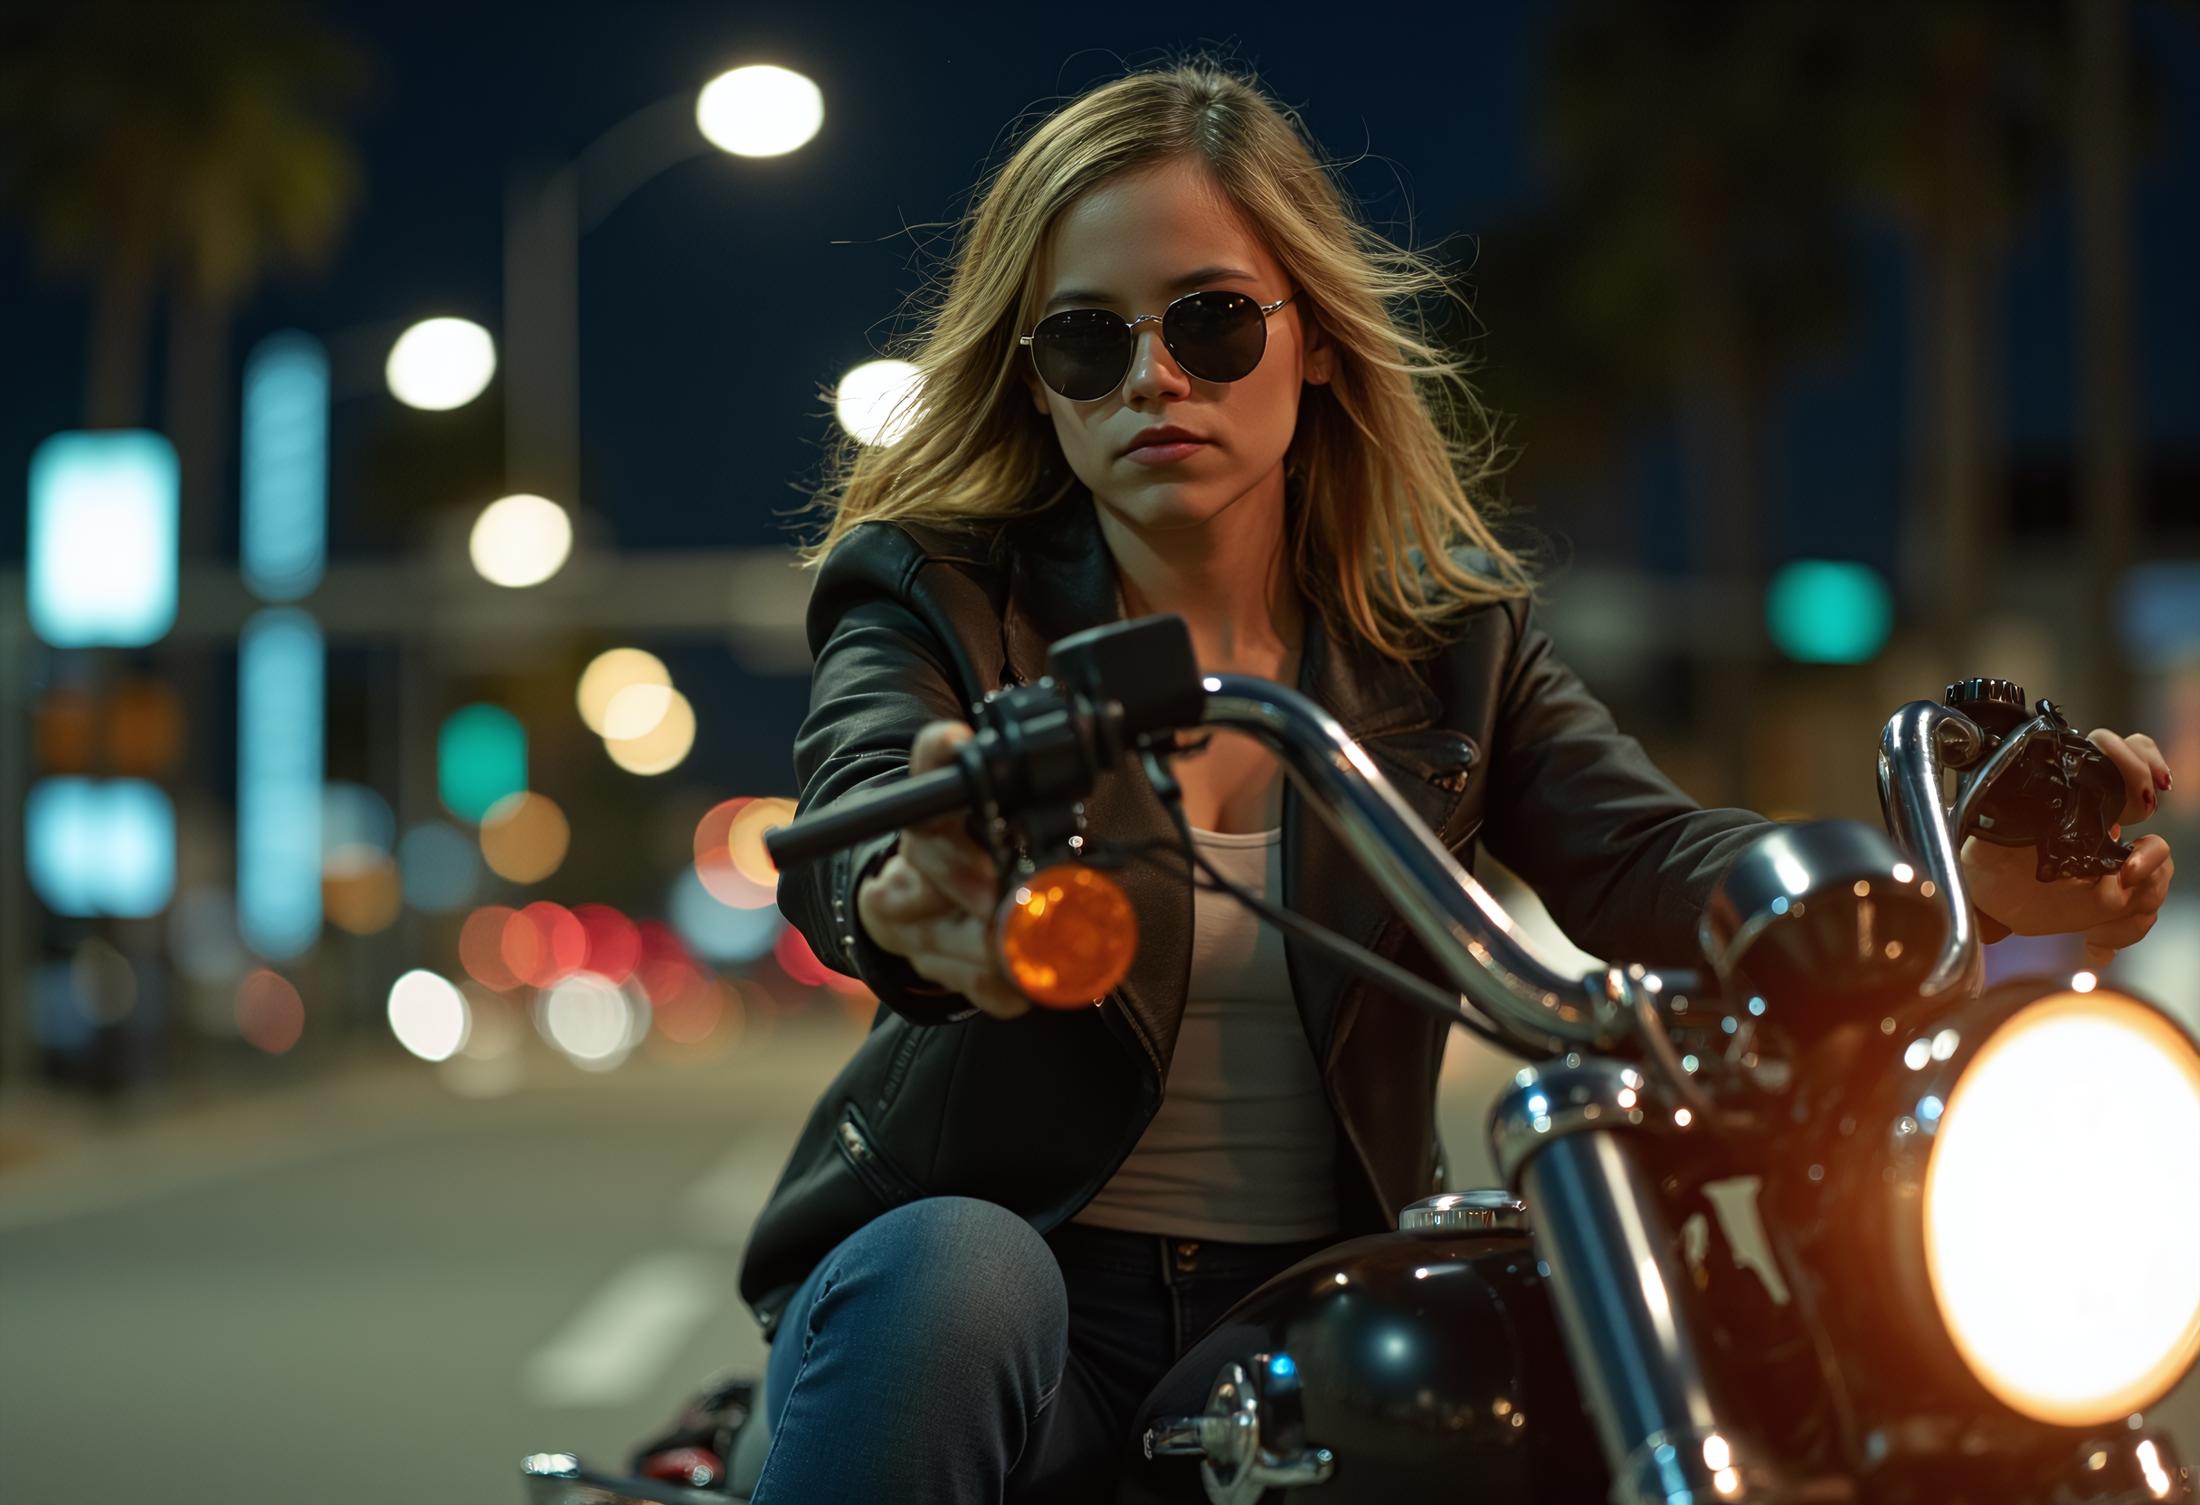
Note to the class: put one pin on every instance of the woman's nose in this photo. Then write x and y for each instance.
(1154, 371)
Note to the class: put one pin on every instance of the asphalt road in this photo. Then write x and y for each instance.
(374, 1290)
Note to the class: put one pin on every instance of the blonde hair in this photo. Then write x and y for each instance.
(1393, 457)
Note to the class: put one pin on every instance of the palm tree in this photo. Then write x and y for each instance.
(180, 150)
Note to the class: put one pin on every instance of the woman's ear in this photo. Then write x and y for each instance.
(1321, 356)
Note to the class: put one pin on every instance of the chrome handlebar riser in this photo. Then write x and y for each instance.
(1541, 1010)
(1910, 773)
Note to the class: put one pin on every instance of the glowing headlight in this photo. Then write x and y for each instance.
(2089, 1101)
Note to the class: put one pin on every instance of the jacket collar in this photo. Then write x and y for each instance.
(1062, 580)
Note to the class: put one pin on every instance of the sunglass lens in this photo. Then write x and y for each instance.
(1081, 353)
(1216, 336)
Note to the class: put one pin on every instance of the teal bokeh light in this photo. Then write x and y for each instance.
(281, 694)
(102, 547)
(480, 757)
(1829, 611)
(285, 466)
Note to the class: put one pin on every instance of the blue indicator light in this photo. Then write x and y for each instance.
(1282, 1367)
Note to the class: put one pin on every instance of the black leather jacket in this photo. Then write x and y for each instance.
(1492, 740)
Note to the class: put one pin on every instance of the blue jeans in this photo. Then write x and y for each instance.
(946, 1352)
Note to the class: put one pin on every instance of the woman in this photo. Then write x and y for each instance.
(1000, 1225)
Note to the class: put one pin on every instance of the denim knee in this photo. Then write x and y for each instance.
(953, 1295)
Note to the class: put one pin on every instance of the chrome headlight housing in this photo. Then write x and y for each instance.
(1996, 1211)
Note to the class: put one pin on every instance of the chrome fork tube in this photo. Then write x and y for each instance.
(1563, 1135)
(1484, 955)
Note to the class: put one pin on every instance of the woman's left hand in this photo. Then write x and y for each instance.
(2114, 910)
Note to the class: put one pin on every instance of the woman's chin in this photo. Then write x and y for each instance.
(1164, 505)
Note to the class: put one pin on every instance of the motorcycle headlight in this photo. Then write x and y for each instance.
(2089, 1100)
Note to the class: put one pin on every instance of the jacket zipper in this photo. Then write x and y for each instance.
(898, 1067)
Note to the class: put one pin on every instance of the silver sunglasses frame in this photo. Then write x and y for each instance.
(1024, 342)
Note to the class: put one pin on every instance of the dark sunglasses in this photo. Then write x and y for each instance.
(1082, 353)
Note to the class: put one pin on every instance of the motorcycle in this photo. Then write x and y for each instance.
(1922, 1318)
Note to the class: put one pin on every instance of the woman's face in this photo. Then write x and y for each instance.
(1132, 245)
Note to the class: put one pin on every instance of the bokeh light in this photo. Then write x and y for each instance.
(524, 837)
(440, 866)
(360, 892)
(480, 757)
(592, 1020)
(720, 931)
(543, 943)
(354, 815)
(270, 1014)
(520, 540)
(636, 711)
(612, 946)
(1829, 611)
(427, 1014)
(481, 947)
(666, 966)
(877, 401)
(759, 111)
(745, 840)
(440, 364)
(665, 746)
(202, 936)
(796, 959)
(706, 1006)
(714, 859)
(608, 673)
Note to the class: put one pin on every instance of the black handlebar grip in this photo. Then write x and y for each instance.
(902, 804)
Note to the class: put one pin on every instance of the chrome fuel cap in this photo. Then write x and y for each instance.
(1464, 1212)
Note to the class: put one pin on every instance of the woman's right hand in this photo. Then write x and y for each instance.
(934, 900)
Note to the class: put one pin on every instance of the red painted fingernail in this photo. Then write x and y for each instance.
(2161, 778)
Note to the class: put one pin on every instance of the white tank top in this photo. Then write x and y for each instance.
(1244, 1146)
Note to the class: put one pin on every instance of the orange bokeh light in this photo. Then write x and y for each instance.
(543, 943)
(714, 863)
(745, 840)
(270, 1014)
(1068, 935)
(524, 837)
(481, 947)
(360, 891)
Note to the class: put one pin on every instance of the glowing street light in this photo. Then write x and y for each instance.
(876, 401)
(440, 364)
(521, 540)
(759, 111)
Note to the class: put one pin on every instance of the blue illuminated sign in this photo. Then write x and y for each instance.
(279, 769)
(100, 846)
(285, 466)
(102, 550)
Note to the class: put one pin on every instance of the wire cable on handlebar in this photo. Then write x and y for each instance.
(1377, 969)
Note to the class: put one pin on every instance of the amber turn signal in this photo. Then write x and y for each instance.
(1067, 934)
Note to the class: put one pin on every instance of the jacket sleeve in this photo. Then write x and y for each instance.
(1624, 861)
(880, 675)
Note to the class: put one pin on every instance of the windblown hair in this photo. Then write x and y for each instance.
(1393, 459)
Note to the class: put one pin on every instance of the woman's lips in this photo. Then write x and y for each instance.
(1164, 454)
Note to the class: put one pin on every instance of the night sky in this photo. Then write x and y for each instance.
(721, 297)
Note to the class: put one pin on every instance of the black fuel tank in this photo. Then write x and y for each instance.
(1428, 1364)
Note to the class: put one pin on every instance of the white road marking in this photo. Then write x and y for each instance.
(617, 1345)
(721, 1207)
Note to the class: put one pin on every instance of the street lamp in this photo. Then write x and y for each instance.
(754, 111)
